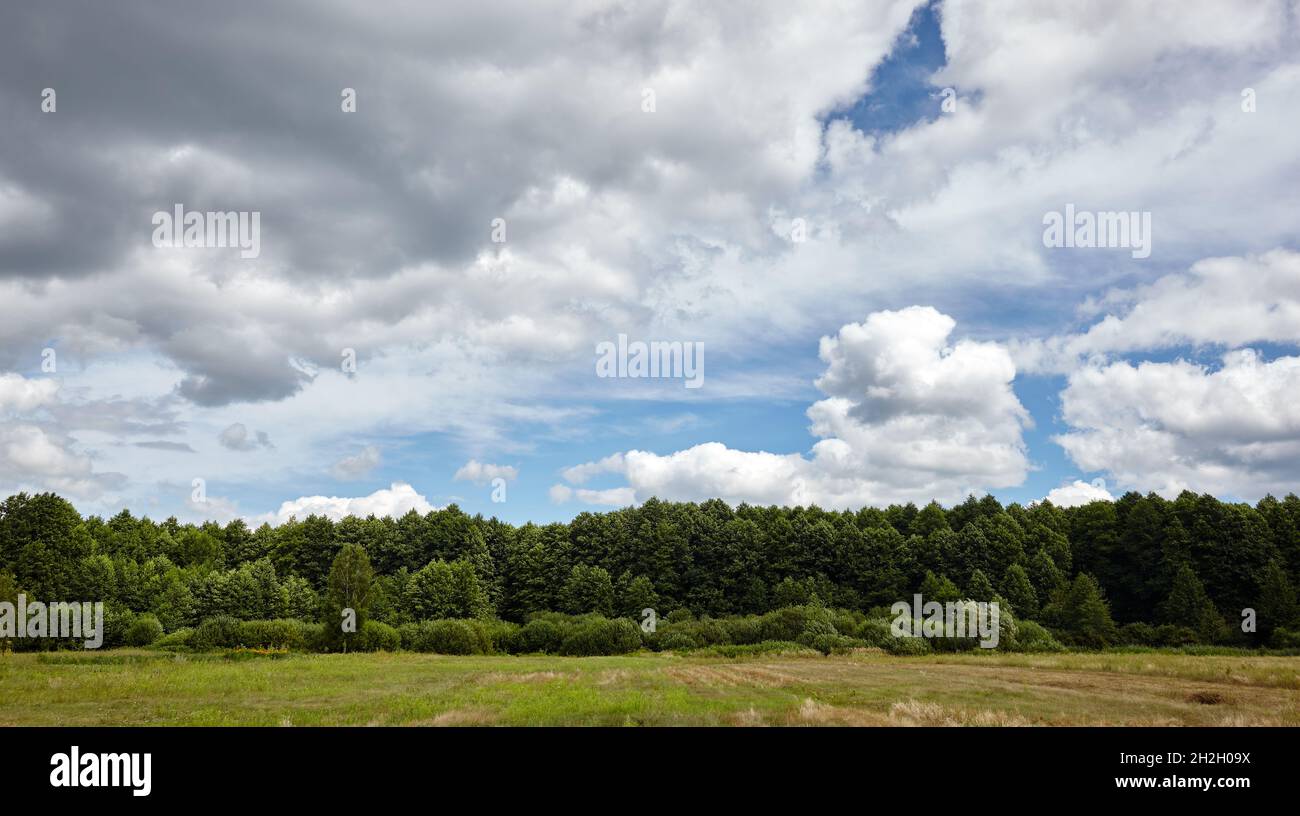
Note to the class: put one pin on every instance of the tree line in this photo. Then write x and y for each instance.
(1140, 569)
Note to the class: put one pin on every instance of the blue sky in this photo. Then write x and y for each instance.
(866, 270)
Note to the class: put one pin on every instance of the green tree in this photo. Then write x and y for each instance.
(347, 597)
(1019, 592)
(589, 589)
(1277, 601)
(1080, 614)
(1188, 605)
(978, 588)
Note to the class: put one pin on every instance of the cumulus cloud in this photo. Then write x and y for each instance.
(1234, 301)
(354, 467)
(482, 473)
(1233, 429)
(613, 497)
(395, 501)
(908, 416)
(1079, 492)
(236, 437)
(20, 395)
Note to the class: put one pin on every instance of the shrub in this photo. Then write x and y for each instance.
(874, 632)
(1285, 639)
(599, 636)
(1031, 637)
(786, 623)
(1171, 635)
(451, 636)
(178, 641)
(283, 633)
(676, 640)
(747, 630)
(540, 635)
(143, 631)
(220, 632)
(378, 637)
(1137, 634)
(907, 646)
(838, 644)
(815, 629)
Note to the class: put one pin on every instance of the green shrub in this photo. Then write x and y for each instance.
(539, 635)
(143, 631)
(676, 640)
(786, 623)
(874, 632)
(1285, 639)
(1172, 635)
(907, 646)
(220, 632)
(452, 636)
(1031, 637)
(378, 637)
(837, 644)
(1137, 634)
(748, 630)
(283, 633)
(600, 636)
(178, 641)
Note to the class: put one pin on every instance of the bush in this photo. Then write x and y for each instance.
(838, 644)
(816, 629)
(220, 632)
(600, 636)
(1285, 639)
(676, 640)
(143, 631)
(1031, 637)
(1137, 634)
(907, 646)
(378, 637)
(452, 636)
(1171, 635)
(874, 632)
(178, 641)
(284, 633)
(540, 635)
(744, 631)
(786, 623)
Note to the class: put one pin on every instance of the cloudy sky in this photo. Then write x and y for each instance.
(844, 203)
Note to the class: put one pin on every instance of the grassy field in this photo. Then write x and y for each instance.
(128, 687)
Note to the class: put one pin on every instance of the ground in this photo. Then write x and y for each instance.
(126, 687)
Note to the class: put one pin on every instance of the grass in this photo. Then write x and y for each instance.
(131, 687)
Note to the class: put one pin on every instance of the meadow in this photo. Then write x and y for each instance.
(866, 687)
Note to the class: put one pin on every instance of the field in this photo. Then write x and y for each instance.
(128, 687)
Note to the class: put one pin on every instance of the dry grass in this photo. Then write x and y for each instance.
(865, 688)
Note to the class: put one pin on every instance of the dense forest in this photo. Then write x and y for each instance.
(1139, 570)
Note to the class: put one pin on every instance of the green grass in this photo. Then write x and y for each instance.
(131, 687)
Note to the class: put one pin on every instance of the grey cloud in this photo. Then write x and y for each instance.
(237, 437)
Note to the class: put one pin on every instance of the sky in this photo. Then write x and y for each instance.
(470, 223)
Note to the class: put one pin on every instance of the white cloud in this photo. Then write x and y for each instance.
(1218, 301)
(394, 501)
(1079, 492)
(482, 472)
(613, 497)
(907, 417)
(19, 394)
(1166, 427)
(354, 467)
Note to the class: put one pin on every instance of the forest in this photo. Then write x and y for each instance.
(1138, 571)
